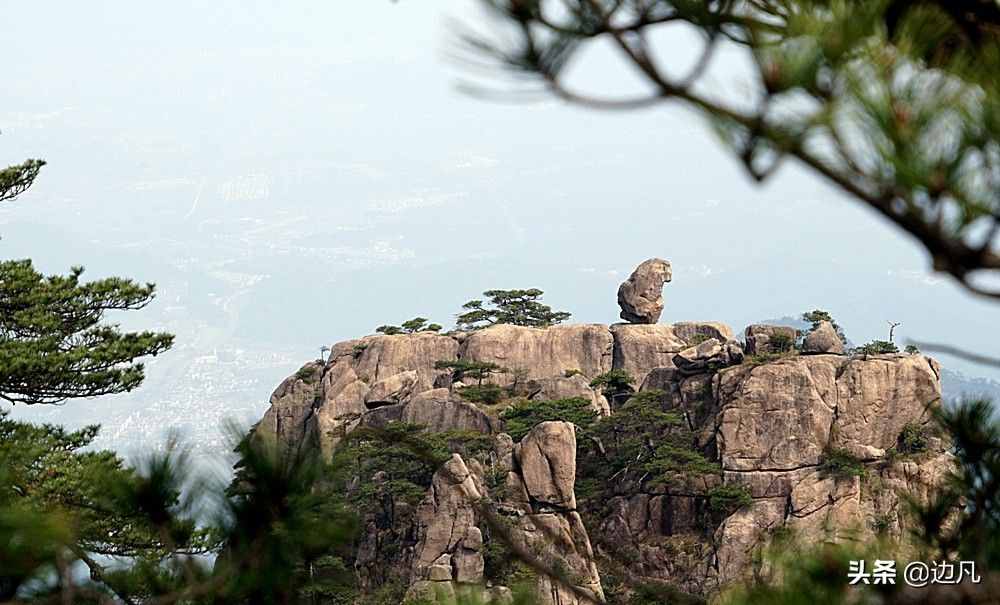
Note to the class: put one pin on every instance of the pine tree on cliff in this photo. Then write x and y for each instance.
(516, 307)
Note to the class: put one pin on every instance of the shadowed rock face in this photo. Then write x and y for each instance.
(769, 426)
(641, 295)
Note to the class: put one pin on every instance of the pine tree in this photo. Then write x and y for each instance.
(54, 344)
(516, 307)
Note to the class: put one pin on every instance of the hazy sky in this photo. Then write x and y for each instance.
(296, 173)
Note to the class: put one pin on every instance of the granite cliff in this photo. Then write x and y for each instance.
(812, 441)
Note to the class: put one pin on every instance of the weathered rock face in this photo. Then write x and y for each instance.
(641, 295)
(640, 348)
(541, 488)
(450, 546)
(783, 415)
(291, 415)
(780, 420)
(448, 557)
(547, 459)
(538, 353)
(439, 410)
(769, 426)
(823, 339)
(706, 356)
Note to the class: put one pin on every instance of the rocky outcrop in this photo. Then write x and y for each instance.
(439, 410)
(448, 557)
(782, 420)
(450, 547)
(769, 425)
(639, 349)
(290, 419)
(783, 415)
(542, 499)
(641, 295)
(547, 460)
(823, 339)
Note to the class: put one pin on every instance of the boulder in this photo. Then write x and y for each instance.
(708, 356)
(392, 389)
(692, 331)
(439, 411)
(537, 353)
(783, 415)
(640, 348)
(641, 295)
(823, 339)
(546, 458)
(759, 338)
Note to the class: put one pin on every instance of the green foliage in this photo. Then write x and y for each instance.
(962, 518)
(572, 373)
(410, 326)
(914, 438)
(517, 307)
(876, 347)
(468, 368)
(613, 382)
(283, 515)
(911, 350)
(62, 506)
(763, 358)
(54, 345)
(816, 317)
(521, 417)
(657, 593)
(15, 180)
(841, 464)
(781, 343)
(309, 373)
(639, 442)
(729, 498)
(397, 461)
(801, 574)
(486, 394)
(501, 565)
(57, 497)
